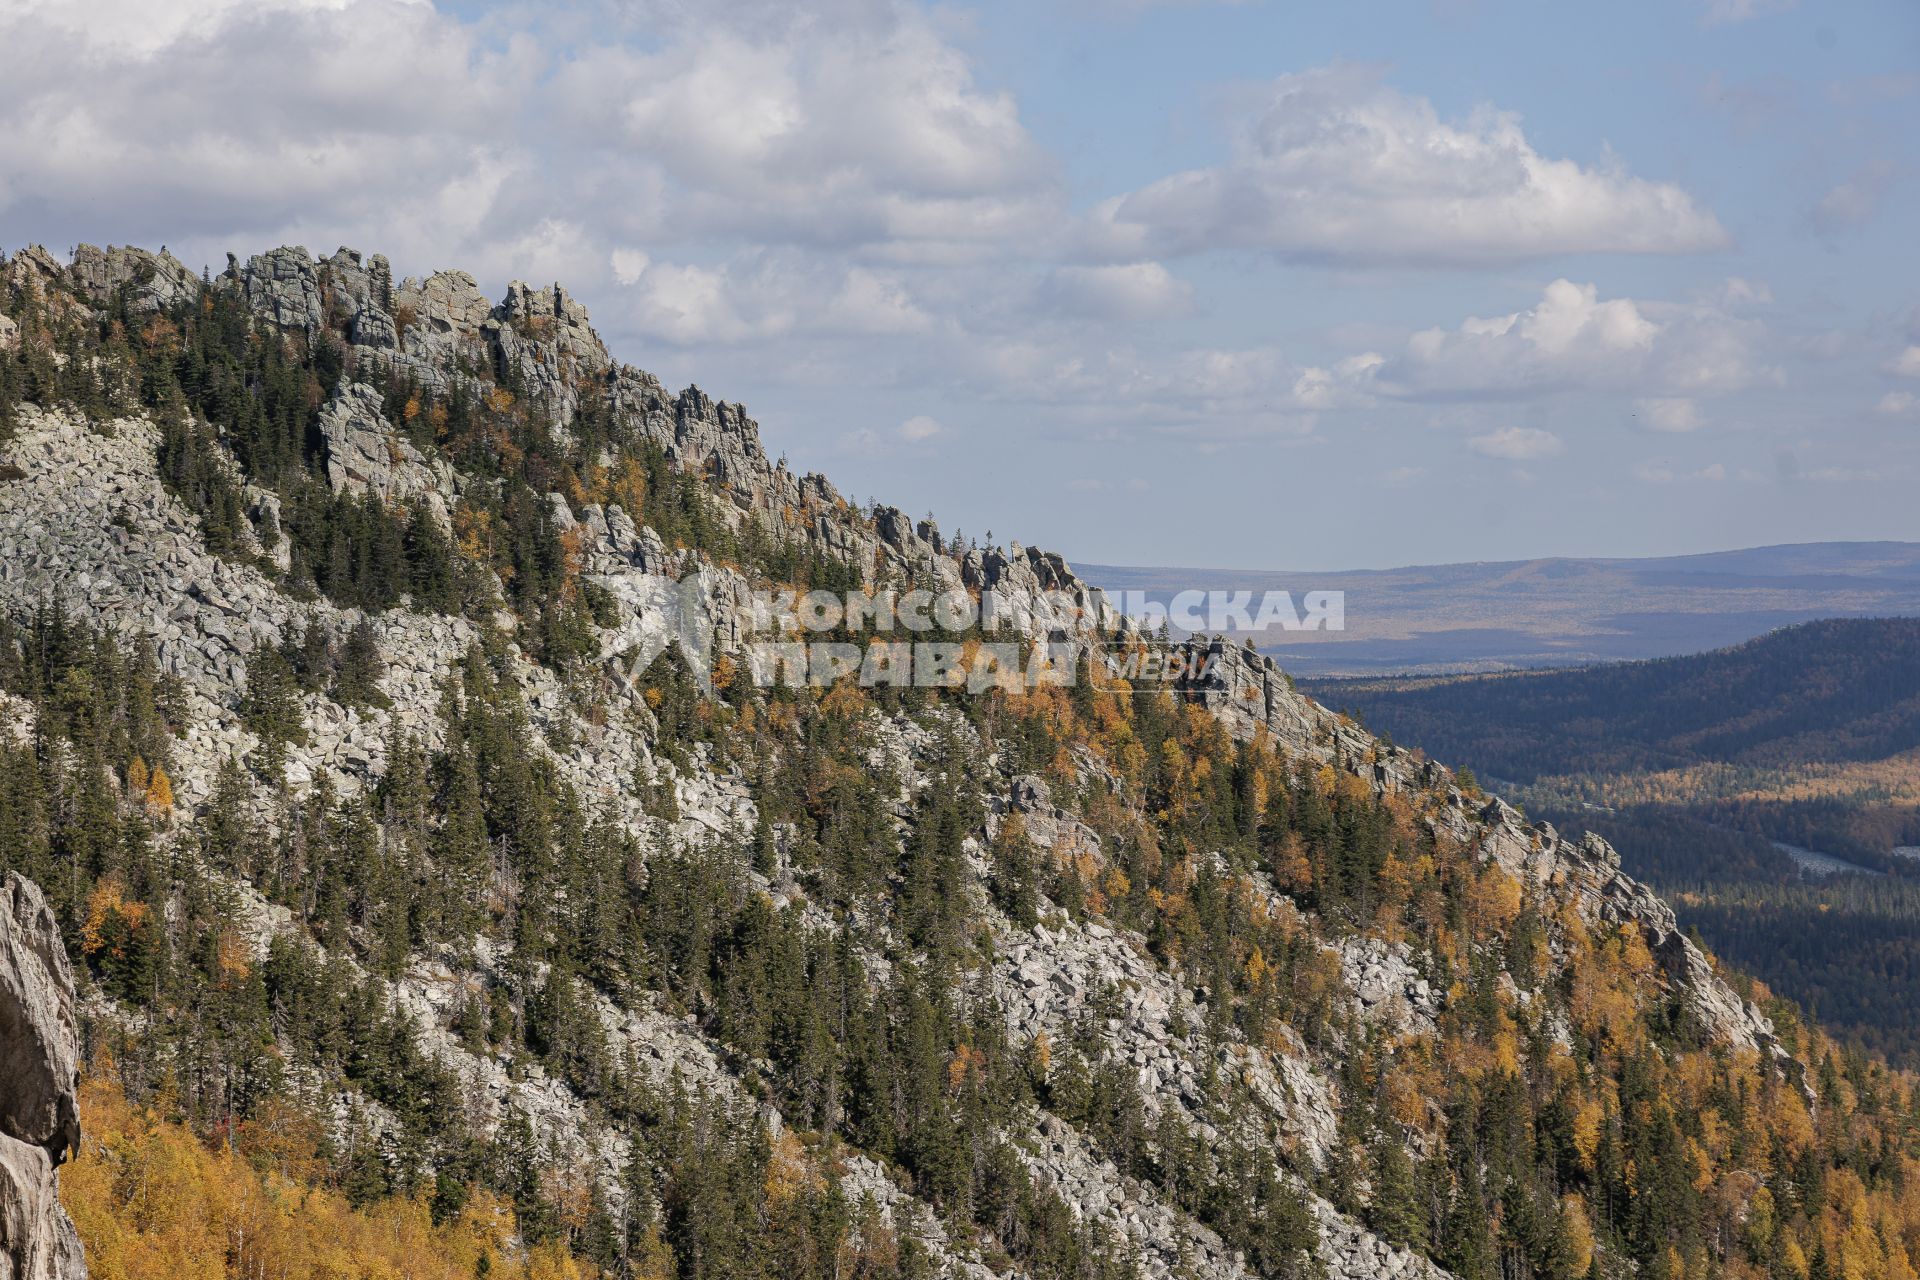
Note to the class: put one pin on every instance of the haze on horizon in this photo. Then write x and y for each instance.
(1236, 285)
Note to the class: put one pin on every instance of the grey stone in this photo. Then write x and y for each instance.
(366, 454)
(39, 1114)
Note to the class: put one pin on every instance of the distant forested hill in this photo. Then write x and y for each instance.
(1772, 789)
(1841, 690)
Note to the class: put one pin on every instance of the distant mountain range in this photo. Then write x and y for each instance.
(1489, 616)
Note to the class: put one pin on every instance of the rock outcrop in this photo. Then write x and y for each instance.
(39, 1116)
(364, 454)
(154, 281)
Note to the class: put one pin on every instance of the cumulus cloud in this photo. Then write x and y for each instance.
(1347, 383)
(760, 297)
(1737, 291)
(919, 427)
(387, 119)
(1663, 473)
(1668, 413)
(1129, 291)
(857, 125)
(848, 125)
(1906, 364)
(1335, 164)
(1518, 444)
(1571, 339)
(1897, 403)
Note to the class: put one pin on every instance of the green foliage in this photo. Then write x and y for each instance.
(272, 710)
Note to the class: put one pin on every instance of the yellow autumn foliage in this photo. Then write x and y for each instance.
(107, 901)
(152, 1202)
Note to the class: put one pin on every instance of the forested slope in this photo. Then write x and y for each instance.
(1702, 768)
(401, 887)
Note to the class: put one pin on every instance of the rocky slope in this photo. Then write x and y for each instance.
(87, 521)
(39, 1123)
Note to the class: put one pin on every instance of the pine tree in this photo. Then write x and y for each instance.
(271, 709)
(356, 681)
(1394, 1212)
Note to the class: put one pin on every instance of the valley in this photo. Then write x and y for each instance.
(1773, 788)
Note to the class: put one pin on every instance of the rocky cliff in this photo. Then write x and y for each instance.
(39, 1123)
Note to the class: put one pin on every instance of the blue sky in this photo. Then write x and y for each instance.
(1246, 285)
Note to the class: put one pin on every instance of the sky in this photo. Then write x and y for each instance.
(1236, 285)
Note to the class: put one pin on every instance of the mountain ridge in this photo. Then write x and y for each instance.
(244, 474)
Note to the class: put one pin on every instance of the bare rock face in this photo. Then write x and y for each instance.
(39, 1116)
(154, 281)
(365, 453)
(283, 286)
(363, 292)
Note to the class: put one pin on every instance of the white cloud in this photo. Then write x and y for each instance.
(916, 430)
(857, 125)
(760, 297)
(1334, 164)
(1346, 383)
(1570, 339)
(628, 265)
(438, 140)
(1129, 291)
(1740, 292)
(142, 28)
(1897, 403)
(1906, 364)
(1518, 444)
(1855, 202)
(389, 122)
(1669, 413)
